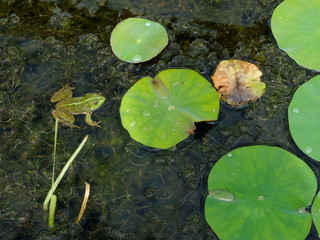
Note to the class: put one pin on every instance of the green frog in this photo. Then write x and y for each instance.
(67, 106)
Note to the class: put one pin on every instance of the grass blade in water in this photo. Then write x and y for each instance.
(63, 171)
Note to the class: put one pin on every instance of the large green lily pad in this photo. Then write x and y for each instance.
(160, 112)
(260, 192)
(315, 211)
(295, 25)
(138, 40)
(304, 115)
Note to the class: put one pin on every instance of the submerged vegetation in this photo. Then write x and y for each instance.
(137, 192)
(50, 201)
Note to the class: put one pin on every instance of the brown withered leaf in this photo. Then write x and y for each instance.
(238, 82)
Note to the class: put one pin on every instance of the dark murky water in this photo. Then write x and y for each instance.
(136, 192)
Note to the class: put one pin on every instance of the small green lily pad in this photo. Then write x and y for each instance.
(295, 25)
(138, 40)
(304, 115)
(260, 192)
(315, 211)
(160, 112)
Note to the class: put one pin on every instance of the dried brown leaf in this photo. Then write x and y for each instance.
(238, 82)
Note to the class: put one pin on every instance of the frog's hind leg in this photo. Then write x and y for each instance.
(64, 118)
(65, 92)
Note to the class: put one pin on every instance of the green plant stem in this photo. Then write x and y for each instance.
(54, 149)
(63, 171)
(52, 210)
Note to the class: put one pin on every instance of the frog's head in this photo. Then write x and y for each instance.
(96, 100)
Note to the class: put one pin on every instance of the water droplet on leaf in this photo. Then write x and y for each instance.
(229, 154)
(308, 149)
(136, 58)
(133, 123)
(302, 210)
(147, 24)
(222, 195)
(261, 198)
(296, 110)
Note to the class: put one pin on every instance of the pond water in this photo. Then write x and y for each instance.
(136, 192)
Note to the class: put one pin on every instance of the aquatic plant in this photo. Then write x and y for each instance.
(303, 117)
(160, 112)
(295, 25)
(238, 82)
(51, 199)
(84, 203)
(62, 173)
(138, 40)
(52, 210)
(260, 192)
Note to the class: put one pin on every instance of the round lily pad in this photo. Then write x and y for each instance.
(295, 25)
(260, 192)
(304, 115)
(138, 40)
(315, 211)
(160, 112)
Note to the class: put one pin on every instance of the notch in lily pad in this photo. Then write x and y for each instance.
(260, 192)
(304, 115)
(295, 25)
(138, 40)
(160, 112)
(238, 82)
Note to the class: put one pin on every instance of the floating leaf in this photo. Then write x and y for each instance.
(160, 112)
(260, 192)
(138, 40)
(315, 211)
(304, 115)
(238, 82)
(295, 24)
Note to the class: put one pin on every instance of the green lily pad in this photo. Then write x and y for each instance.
(295, 25)
(315, 211)
(160, 112)
(260, 192)
(138, 40)
(304, 115)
